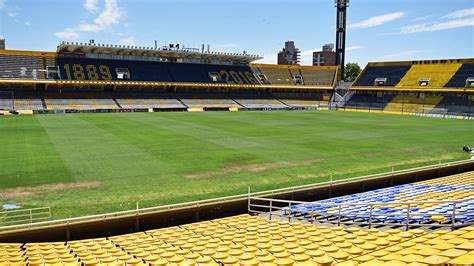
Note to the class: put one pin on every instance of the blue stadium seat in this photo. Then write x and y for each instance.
(455, 187)
(393, 74)
(459, 79)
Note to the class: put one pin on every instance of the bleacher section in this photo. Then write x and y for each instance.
(261, 103)
(393, 74)
(276, 75)
(6, 104)
(409, 104)
(287, 75)
(80, 104)
(184, 68)
(437, 74)
(449, 105)
(430, 88)
(437, 248)
(322, 77)
(24, 65)
(28, 104)
(206, 100)
(458, 105)
(21, 104)
(407, 75)
(389, 207)
(251, 240)
(304, 103)
(43, 82)
(370, 101)
(459, 79)
(150, 103)
(210, 103)
(162, 100)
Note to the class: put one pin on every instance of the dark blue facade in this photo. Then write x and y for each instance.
(103, 69)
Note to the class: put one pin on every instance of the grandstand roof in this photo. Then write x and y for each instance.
(92, 48)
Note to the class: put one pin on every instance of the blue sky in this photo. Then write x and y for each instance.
(379, 30)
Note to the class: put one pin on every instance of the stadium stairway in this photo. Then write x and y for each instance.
(252, 240)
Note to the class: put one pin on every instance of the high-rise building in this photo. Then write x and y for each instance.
(290, 55)
(326, 57)
(2, 43)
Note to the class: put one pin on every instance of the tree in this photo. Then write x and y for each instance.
(351, 71)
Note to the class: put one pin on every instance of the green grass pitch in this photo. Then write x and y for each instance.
(83, 164)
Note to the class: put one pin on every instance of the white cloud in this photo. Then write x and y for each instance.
(403, 54)
(91, 6)
(128, 41)
(109, 16)
(457, 19)
(307, 56)
(378, 20)
(67, 34)
(355, 47)
(421, 18)
(9, 9)
(460, 13)
(436, 26)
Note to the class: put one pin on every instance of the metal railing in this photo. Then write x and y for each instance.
(140, 211)
(421, 111)
(24, 216)
(283, 208)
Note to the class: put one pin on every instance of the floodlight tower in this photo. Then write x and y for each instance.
(341, 6)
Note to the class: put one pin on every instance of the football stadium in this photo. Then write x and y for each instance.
(115, 154)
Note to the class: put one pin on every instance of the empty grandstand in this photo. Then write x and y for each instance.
(91, 77)
(431, 87)
(452, 73)
(296, 75)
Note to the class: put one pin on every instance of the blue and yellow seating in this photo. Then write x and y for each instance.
(387, 205)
